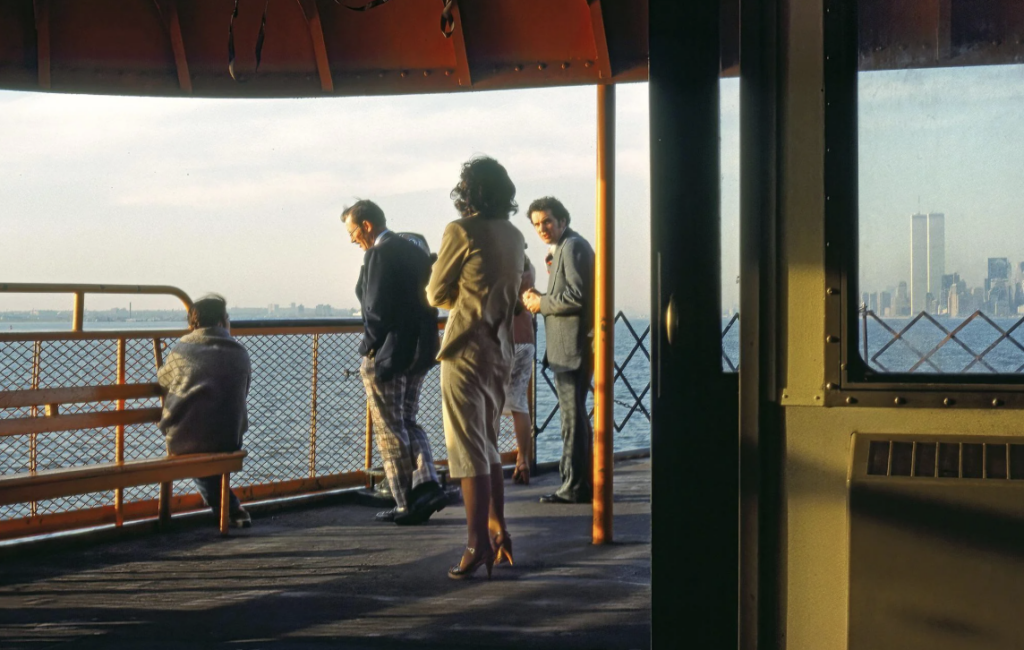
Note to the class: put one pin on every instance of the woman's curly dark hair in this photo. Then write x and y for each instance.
(485, 190)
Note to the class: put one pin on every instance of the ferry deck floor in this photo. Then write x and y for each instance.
(329, 576)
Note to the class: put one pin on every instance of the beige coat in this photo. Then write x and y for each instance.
(476, 278)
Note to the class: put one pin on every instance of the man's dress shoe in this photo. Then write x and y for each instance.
(388, 516)
(554, 498)
(432, 500)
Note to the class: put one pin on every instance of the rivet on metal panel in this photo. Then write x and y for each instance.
(851, 400)
(830, 386)
(832, 291)
(518, 68)
(997, 402)
(587, 64)
(899, 401)
(541, 66)
(843, 366)
(832, 338)
(447, 73)
(426, 73)
(949, 401)
(403, 74)
(565, 65)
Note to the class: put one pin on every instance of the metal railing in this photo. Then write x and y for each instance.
(977, 344)
(308, 422)
(307, 415)
(632, 367)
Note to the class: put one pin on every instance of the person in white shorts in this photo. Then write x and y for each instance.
(517, 401)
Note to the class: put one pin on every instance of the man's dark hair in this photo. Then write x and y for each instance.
(365, 210)
(485, 190)
(558, 210)
(208, 311)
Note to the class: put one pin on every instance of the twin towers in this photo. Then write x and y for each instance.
(927, 260)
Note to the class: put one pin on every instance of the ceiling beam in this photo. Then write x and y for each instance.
(316, 35)
(42, 11)
(603, 62)
(169, 13)
(458, 39)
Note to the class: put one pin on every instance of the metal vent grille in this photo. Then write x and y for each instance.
(935, 529)
(938, 459)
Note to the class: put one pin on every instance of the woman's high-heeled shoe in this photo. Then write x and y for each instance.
(460, 572)
(503, 547)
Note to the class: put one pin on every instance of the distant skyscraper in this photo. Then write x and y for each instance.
(885, 303)
(927, 258)
(998, 268)
(936, 253)
(901, 303)
(918, 263)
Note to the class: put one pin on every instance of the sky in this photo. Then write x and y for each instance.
(243, 197)
(947, 140)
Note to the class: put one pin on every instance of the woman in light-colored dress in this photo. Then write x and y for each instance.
(476, 277)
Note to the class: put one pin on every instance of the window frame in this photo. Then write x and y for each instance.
(849, 380)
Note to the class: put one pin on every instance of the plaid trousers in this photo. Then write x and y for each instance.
(402, 443)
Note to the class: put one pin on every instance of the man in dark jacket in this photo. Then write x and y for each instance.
(205, 380)
(400, 343)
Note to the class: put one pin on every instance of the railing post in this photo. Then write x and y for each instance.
(604, 317)
(166, 489)
(119, 435)
(312, 423)
(33, 460)
(78, 316)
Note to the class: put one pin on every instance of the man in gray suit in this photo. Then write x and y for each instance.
(568, 310)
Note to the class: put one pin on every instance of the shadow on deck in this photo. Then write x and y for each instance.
(330, 576)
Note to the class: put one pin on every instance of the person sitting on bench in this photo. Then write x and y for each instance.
(205, 379)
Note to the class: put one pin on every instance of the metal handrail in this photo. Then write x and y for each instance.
(79, 291)
(46, 356)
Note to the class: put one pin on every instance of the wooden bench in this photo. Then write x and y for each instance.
(52, 483)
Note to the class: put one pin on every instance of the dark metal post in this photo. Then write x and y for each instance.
(694, 441)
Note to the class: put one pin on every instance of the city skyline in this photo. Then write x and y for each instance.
(930, 289)
(941, 140)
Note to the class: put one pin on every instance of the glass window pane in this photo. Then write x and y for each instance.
(941, 257)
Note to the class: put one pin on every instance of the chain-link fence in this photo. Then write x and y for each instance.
(307, 407)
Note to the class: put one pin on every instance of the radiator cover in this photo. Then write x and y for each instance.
(936, 530)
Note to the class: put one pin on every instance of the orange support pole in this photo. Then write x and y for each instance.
(119, 434)
(604, 317)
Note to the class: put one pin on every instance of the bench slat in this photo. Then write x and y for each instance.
(22, 426)
(44, 396)
(50, 484)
